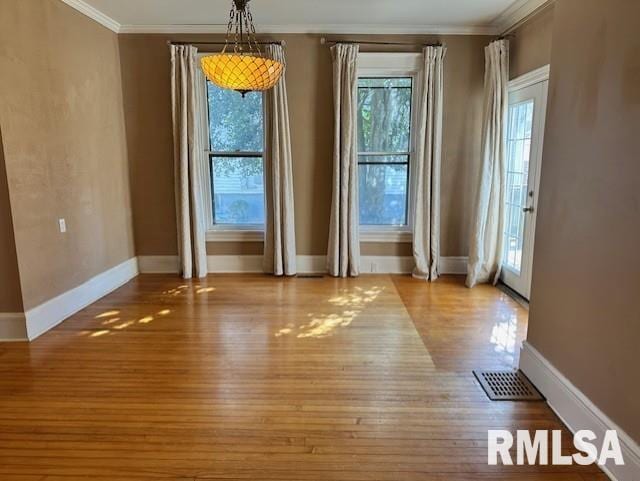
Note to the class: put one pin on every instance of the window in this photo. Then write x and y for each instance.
(385, 144)
(236, 159)
(384, 149)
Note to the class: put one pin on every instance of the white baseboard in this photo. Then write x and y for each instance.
(306, 264)
(13, 327)
(225, 264)
(311, 264)
(52, 312)
(405, 265)
(386, 265)
(40, 319)
(454, 265)
(577, 411)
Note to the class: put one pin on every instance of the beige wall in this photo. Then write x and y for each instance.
(10, 294)
(585, 316)
(531, 43)
(145, 67)
(65, 150)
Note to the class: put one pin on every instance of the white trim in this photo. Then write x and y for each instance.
(94, 14)
(13, 327)
(323, 28)
(516, 13)
(531, 78)
(386, 265)
(503, 22)
(52, 312)
(311, 264)
(235, 235)
(392, 64)
(389, 63)
(405, 265)
(215, 264)
(454, 265)
(391, 235)
(577, 411)
(234, 264)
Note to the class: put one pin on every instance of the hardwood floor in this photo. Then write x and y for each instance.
(255, 378)
(465, 328)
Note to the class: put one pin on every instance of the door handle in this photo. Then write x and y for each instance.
(529, 210)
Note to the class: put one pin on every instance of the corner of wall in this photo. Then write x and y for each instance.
(10, 293)
(531, 42)
(85, 147)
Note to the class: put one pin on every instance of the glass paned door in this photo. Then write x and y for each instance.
(525, 131)
(519, 132)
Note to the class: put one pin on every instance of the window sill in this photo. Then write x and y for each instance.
(393, 236)
(235, 235)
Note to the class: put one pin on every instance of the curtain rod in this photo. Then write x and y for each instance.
(275, 42)
(324, 41)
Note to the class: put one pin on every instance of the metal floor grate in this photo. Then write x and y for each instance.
(310, 276)
(507, 386)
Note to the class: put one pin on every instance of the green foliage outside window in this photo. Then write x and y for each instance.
(236, 124)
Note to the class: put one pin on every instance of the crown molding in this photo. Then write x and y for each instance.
(94, 14)
(354, 29)
(516, 13)
(511, 17)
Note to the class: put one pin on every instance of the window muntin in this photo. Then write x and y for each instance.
(236, 157)
(519, 133)
(384, 149)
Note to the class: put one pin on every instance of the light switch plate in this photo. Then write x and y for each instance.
(63, 225)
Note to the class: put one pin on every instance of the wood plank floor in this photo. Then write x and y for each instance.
(256, 378)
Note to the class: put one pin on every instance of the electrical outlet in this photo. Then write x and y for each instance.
(374, 267)
(63, 225)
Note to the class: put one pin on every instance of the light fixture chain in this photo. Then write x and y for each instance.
(238, 33)
(244, 27)
(229, 29)
(252, 30)
(248, 29)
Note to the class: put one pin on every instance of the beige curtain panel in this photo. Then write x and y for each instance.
(486, 249)
(280, 235)
(189, 140)
(344, 242)
(426, 224)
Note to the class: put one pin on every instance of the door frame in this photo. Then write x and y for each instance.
(530, 79)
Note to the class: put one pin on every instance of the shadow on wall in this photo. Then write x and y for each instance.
(10, 292)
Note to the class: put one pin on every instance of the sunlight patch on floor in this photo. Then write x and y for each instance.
(111, 326)
(324, 324)
(107, 314)
(112, 317)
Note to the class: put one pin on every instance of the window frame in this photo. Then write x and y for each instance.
(228, 232)
(384, 65)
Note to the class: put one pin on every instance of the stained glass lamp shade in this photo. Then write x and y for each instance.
(245, 69)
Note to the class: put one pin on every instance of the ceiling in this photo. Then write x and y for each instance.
(325, 16)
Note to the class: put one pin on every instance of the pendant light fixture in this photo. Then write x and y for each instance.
(245, 69)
